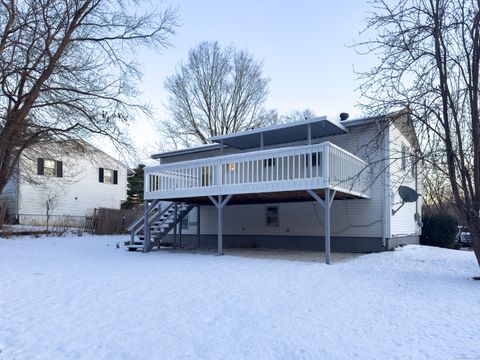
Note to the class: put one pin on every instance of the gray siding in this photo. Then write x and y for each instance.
(357, 225)
(350, 218)
(311, 243)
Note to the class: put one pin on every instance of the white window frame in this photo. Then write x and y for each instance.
(105, 171)
(46, 169)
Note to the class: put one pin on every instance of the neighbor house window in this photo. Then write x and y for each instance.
(272, 216)
(107, 176)
(404, 157)
(48, 167)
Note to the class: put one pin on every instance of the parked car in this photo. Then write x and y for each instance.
(463, 237)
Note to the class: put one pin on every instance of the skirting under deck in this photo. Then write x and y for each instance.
(312, 243)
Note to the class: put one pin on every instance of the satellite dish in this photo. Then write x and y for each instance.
(407, 194)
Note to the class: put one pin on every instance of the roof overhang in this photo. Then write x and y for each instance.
(281, 134)
(196, 149)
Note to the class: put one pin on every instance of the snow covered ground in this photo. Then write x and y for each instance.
(82, 298)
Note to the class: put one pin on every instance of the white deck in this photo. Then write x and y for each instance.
(319, 166)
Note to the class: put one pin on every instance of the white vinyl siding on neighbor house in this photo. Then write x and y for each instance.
(350, 218)
(79, 190)
(403, 223)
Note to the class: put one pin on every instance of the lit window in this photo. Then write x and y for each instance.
(272, 216)
(231, 167)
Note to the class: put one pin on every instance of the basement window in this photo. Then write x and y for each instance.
(272, 216)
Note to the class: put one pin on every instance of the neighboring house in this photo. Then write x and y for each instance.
(275, 183)
(66, 181)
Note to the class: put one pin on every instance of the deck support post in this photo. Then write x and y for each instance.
(220, 203)
(326, 204)
(175, 227)
(198, 225)
(146, 228)
(180, 234)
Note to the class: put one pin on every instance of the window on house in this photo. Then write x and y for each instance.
(315, 159)
(269, 162)
(107, 176)
(414, 166)
(404, 157)
(185, 223)
(272, 216)
(48, 167)
(230, 167)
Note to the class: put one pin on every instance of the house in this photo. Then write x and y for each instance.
(316, 184)
(64, 182)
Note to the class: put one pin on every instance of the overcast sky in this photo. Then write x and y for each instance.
(303, 46)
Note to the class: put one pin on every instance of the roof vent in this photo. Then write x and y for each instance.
(343, 116)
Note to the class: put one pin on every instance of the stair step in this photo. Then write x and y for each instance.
(161, 227)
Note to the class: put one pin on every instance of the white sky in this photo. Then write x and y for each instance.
(302, 45)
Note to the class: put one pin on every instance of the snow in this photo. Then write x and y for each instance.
(82, 298)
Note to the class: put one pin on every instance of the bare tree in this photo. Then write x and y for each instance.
(296, 115)
(429, 52)
(217, 91)
(50, 198)
(68, 70)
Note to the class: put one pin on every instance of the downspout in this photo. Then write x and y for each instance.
(386, 189)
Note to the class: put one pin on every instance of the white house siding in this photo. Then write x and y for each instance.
(80, 191)
(403, 223)
(8, 197)
(350, 218)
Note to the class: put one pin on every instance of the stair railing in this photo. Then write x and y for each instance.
(137, 225)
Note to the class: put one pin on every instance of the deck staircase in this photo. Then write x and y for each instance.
(160, 223)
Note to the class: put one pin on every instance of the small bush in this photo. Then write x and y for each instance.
(439, 230)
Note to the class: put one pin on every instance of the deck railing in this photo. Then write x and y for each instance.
(282, 169)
